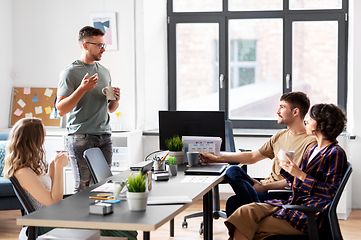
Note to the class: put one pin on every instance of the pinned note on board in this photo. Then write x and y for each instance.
(27, 90)
(21, 103)
(38, 110)
(18, 112)
(48, 92)
(48, 110)
(28, 115)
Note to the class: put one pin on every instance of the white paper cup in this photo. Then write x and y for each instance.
(282, 155)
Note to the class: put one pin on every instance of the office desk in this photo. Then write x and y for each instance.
(73, 212)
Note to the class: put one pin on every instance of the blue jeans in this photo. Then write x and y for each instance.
(242, 186)
(77, 144)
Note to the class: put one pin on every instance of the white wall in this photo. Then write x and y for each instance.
(6, 43)
(45, 42)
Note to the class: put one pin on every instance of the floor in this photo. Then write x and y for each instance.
(351, 229)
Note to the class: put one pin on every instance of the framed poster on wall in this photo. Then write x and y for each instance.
(37, 102)
(106, 21)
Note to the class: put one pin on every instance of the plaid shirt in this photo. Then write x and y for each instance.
(324, 175)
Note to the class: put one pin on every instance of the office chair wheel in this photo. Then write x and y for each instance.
(184, 224)
(201, 229)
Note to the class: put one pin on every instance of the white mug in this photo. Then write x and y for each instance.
(109, 93)
(282, 155)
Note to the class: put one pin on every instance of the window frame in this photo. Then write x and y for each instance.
(288, 16)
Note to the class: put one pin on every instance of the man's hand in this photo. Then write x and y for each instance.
(88, 84)
(116, 92)
(207, 157)
(258, 186)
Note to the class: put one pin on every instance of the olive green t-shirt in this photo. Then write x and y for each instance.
(284, 139)
(90, 115)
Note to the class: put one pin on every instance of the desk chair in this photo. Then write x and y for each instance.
(333, 232)
(31, 232)
(217, 212)
(97, 164)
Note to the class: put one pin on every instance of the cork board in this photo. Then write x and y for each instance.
(34, 102)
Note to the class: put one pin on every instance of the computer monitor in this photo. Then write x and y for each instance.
(191, 123)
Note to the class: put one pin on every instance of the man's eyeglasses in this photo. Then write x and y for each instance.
(100, 45)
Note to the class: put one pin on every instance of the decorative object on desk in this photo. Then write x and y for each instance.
(172, 165)
(159, 164)
(137, 197)
(175, 147)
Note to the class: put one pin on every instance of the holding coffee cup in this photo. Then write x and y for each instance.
(282, 155)
(193, 158)
(109, 93)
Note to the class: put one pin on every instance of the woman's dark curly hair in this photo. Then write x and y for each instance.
(330, 120)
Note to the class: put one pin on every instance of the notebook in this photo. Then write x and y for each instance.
(207, 169)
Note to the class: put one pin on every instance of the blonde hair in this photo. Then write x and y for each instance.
(25, 147)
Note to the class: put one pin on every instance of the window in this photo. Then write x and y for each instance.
(243, 56)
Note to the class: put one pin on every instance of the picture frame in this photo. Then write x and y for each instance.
(106, 21)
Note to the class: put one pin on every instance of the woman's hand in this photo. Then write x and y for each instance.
(292, 168)
(61, 160)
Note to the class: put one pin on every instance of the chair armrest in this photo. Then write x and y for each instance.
(311, 220)
(304, 209)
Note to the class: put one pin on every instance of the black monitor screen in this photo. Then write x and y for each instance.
(191, 123)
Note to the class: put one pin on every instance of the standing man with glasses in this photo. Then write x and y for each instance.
(80, 95)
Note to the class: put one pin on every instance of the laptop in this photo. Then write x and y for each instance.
(207, 169)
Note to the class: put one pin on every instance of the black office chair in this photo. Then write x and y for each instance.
(333, 231)
(31, 232)
(217, 212)
(98, 166)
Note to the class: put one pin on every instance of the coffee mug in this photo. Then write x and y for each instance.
(193, 158)
(282, 155)
(109, 93)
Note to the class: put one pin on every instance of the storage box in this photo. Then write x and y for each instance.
(71, 234)
(101, 208)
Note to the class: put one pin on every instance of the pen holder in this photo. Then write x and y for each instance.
(159, 165)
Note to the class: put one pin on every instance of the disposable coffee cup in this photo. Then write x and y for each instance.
(193, 158)
(108, 92)
(282, 155)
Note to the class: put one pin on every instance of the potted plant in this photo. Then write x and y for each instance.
(137, 196)
(172, 165)
(175, 147)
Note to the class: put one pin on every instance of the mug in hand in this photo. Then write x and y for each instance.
(108, 91)
(193, 158)
(282, 155)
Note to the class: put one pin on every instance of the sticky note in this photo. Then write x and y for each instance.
(38, 110)
(48, 110)
(21, 103)
(28, 115)
(48, 92)
(18, 112)
(27, 90)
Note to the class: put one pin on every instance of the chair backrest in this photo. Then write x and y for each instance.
(97, 164)
(31, 232)
(20, 193)
(332, 216)
(230, 146)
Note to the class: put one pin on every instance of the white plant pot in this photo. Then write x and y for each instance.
(137, 201)
(178, 155)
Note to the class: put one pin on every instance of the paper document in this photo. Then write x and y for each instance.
(106, 187)
(168, 200)
(199, 179)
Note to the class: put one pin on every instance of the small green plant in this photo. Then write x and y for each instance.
(137, 183)
(171, 161)
(174, 144)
